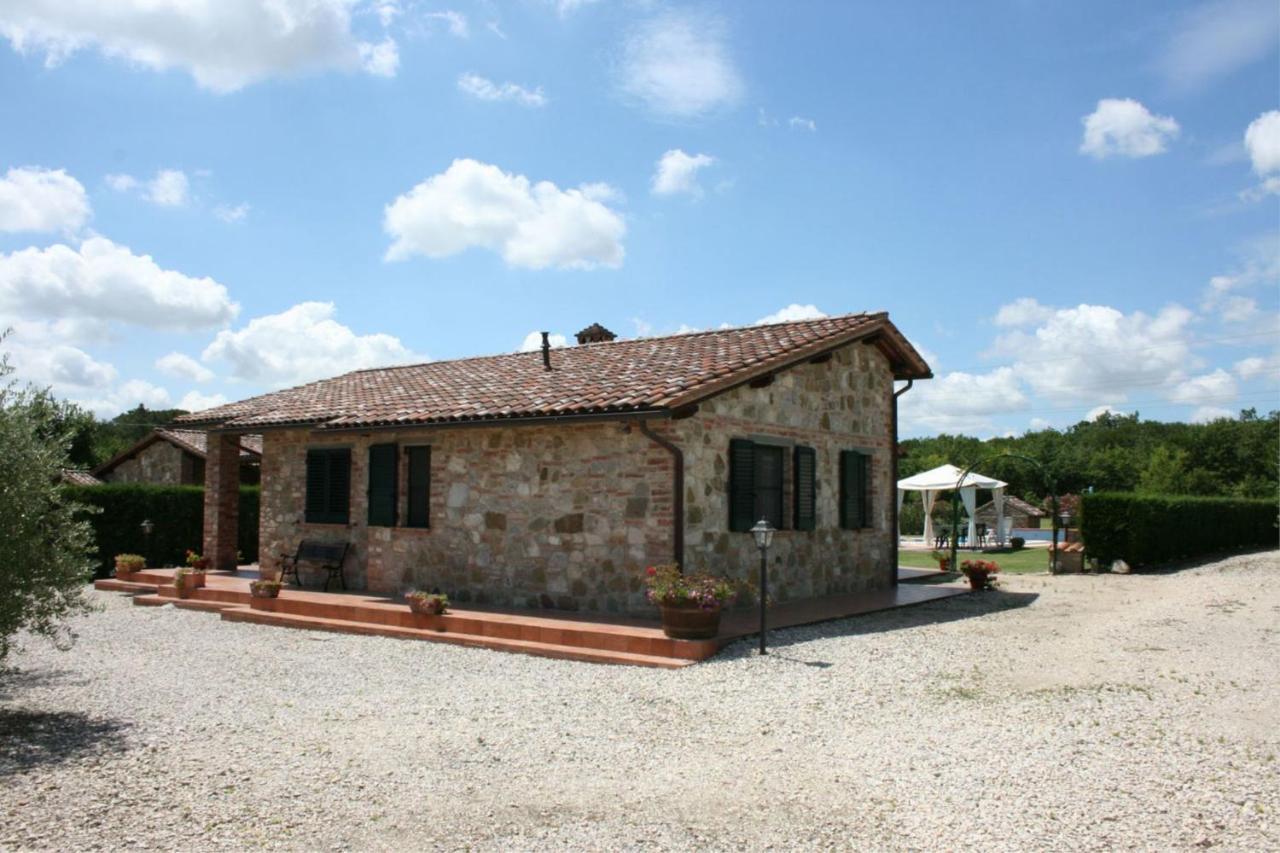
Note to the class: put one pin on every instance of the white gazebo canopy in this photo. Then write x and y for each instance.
(946, 478)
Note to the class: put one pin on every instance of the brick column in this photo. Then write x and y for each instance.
(222, 499)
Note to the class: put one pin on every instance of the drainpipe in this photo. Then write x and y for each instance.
(893, 478)
(677, 489)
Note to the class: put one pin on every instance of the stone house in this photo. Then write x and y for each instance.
(553, 478)
(175, 457)
(1017, 513)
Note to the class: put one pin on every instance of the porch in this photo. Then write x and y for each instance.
(594, 638)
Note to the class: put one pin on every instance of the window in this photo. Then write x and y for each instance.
(328, 485)
(383, 464)
(755, 484)
(419, 512)
(805, 494)
(854, 489)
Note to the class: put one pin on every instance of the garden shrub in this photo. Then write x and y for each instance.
(176, 511)
(1017, 543)
(1144, 529)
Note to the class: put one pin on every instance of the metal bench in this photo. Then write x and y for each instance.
(328, 556)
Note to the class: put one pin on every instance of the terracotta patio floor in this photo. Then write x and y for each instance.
(598, 638)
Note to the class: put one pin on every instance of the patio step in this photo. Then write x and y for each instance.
(151, 600)
(636, 639)
(201, 605)
(553, 650)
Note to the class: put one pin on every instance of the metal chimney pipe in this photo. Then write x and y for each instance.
(546, 350)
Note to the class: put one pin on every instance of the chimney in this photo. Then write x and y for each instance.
(595, 334)
(546, 350)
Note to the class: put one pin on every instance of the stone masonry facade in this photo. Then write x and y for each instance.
(160, 463)
(569, 516)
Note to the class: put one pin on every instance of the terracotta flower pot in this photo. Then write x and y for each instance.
(264, 591)
(690, 622)
(944, 565)
(184, 586)
(424, 606)
(977, 578)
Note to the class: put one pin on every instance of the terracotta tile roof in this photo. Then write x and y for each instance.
(640, 375)
(194, 440)
(79, 477)
(1012, 505)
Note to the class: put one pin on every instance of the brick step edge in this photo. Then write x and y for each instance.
(151, 600)
(578, 653)
(198, 604)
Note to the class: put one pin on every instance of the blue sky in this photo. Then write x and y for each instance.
(1065, 207)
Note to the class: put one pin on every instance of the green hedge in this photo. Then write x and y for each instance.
(1146, 529)
(176, 511)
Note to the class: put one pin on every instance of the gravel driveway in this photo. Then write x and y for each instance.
(1073, 712)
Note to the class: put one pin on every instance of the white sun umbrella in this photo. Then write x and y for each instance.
(946, 478)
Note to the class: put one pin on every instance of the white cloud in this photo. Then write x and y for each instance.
(301, 344)
(231, 213)
(182, 366)
(1218, 387)
(1093, 351)
(455, 21)
(1239, 309)
(1262, 141)
(169, 188)
(534, 226)
(792, 313)
(1124, 127)
(801, 123)
(224, 45)
(387, 12)
(1205, 414)
(678, 66)
(1217, 38)
(678, 173)
(381, 59)
(486, 90)
(108, 402)
(35, 199)
(121, 183)
(1024, 311)
(194, 401)
(533, 341)
(962, 401)
(106, 281)
(1038, 424)
(45, 355)
(1105, 409)
(1255, 367)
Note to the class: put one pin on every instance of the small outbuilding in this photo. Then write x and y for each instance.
(175, 457)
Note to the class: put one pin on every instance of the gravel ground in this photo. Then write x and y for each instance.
(1075, 712)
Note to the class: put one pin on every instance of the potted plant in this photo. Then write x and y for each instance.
(184, 582)
(690, 604)
(943, 561)
(198, 564)
(127, 564)
(264, 588)
(979, 573)
(428, 603)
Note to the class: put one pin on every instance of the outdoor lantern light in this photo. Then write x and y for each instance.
(148, 527)
(763, 533)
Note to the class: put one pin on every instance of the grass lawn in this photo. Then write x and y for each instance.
(1019, 562)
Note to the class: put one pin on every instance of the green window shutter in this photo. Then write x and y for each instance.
(328, 494)
(383, 459)
(806, 511)
(853, 489)
(317, 486)
(419, 514)
(742, 484)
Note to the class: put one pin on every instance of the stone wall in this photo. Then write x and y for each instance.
(569, 516)
(841, 404)
(160, 463)
(566, 516)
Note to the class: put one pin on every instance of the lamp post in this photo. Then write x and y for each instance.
(148, 527)
(763, 533)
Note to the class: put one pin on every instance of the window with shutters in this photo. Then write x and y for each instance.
(418, 513)
(755, 485)
(384, 463)
(328, 498)
(805, 494)
(854, 489)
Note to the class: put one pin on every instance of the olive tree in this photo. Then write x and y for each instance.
(44, 548)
